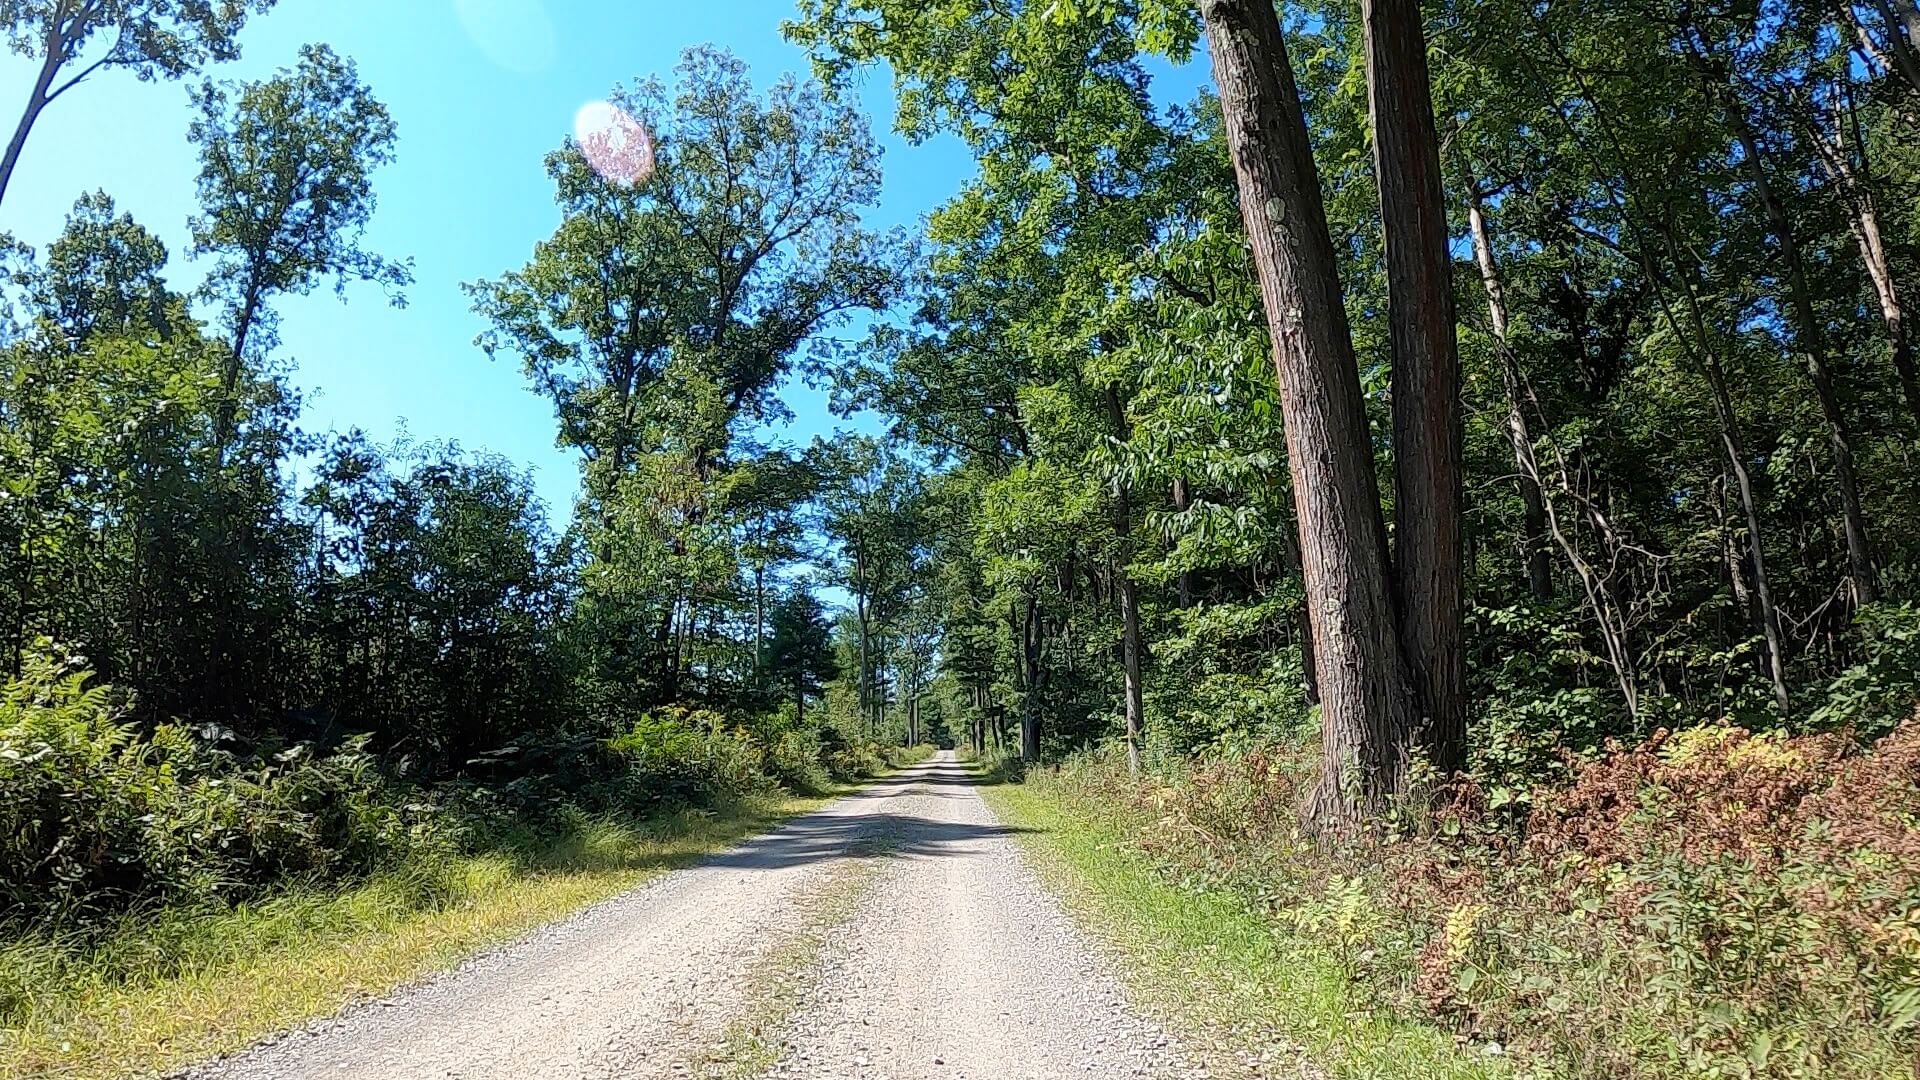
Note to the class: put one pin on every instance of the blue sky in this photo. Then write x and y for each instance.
(481, 91)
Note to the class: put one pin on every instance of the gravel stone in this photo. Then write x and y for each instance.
(956, 965)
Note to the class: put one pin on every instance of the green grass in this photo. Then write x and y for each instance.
(1238, 982)
(176, 987)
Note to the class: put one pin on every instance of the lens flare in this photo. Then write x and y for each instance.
(515, 34)
(615, 144)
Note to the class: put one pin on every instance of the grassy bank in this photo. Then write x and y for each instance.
(173, 988)
(1276, 1004)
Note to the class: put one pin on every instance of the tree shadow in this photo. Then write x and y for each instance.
(818, 837)
(842, 829)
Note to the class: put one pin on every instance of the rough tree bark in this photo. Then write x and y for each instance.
(1426, 376)
(1367, 708)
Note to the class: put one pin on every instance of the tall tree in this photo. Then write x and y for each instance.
(286, 194)
(104, 274)
(1426, 375)
(799, 650)
(1367, 710)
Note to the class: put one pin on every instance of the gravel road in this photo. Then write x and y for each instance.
(892, 935)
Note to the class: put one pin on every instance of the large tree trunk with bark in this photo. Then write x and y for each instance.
(1366, 706)
(1426, 376)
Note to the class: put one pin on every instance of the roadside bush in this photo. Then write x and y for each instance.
(679, 758)
(100, 822)
(1713, 903)
(1879, 692)
(793, 759)
(95, 819)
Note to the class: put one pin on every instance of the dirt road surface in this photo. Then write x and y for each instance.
(894, 934)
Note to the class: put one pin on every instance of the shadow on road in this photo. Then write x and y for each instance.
(872, 834)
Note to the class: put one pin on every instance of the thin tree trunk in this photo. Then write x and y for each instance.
(1183, 501)
(1030, 655)
(1130, 656)
(37, 101)
(865, 688)
(759, 620)
(1863, 221)
(1367, 708)
(1860, 566)
(1600, 600)
(229, 407)
(1130, 644)
(1736, 453)
(1426, 376)
(1533, 538)
(1303, 615)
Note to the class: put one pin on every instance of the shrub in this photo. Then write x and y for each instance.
(1878, 693)
(96, 819)
(678, 758)
(1715, 902)
(793, 759)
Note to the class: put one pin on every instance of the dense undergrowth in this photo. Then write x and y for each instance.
(1714, 902)
(131, 854)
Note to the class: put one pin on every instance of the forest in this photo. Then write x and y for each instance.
(1450, 485)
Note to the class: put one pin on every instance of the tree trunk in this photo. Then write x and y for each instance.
(1863, 220)
(1183, 585)
(1130, 655)
(759, 621)
(1367, 708)
(863, 684)
(1030, 658)
(1736, 452)
(1533, 538)
(1607, 616)
(1309, 678)
(1130, 644)
(227, 416)
(1860, 566)
(1426, 377)
(37, 101)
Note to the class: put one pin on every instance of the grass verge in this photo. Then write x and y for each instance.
(179, 987)
(1264, 1002)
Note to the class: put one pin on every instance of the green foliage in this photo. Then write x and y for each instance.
(796, 759)
(677, 758)
(1723, 904)
(100, 819)
(1876, 694)
(285, 185)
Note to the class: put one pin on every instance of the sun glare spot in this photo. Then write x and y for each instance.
(615, 144)
(515, 34)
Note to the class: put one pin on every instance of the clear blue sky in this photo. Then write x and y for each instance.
(481, 91)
